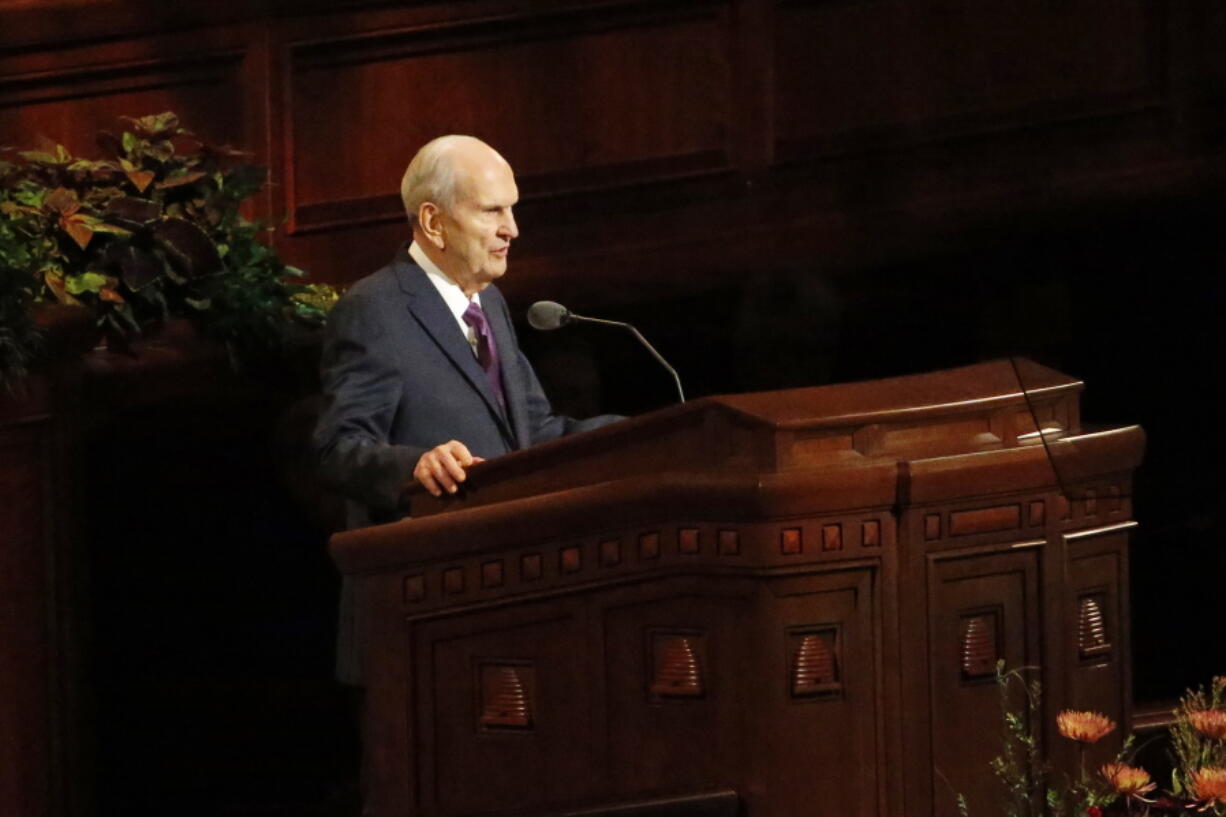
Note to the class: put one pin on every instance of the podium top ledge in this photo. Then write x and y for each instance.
(950, 390)
(972, 408)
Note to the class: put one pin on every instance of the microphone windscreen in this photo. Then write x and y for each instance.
(546, 315)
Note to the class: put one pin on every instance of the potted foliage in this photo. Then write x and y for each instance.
(150, 232)
(20, 339)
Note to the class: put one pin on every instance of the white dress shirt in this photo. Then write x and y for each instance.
(453, 296)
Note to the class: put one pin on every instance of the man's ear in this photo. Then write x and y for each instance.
(430, 221)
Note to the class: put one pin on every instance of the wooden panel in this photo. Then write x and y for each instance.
(470, 767)
(69, 96)
(25, 707)
(1098, 678)
(662, 741)
(574, 102)
(853, 73)
(1001, 587)
(812, 741)
(985, 520)
(61, 23)
(605, 95)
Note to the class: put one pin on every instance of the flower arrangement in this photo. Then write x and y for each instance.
(1117, 788)
(151, 231)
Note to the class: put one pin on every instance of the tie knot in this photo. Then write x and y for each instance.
(475, 317)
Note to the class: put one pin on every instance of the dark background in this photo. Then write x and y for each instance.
(777, 193)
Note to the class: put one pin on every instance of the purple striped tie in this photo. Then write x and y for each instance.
(487, 350)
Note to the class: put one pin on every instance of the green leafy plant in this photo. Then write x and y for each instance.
(151, 231)
(1020, 765)
(20, 339)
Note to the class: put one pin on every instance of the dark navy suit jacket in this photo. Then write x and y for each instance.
(400, 378)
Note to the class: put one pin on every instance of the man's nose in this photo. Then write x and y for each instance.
(509, 229)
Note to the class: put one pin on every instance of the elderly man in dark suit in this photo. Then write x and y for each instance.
(422, 373)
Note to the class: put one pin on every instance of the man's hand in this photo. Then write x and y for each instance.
(442, 468)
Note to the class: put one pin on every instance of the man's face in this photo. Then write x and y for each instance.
(480, 226)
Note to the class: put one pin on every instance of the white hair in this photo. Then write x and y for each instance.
(431, 176)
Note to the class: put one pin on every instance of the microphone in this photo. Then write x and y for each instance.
(546, 316)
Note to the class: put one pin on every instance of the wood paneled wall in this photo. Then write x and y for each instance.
(664, 149)
(663, 146)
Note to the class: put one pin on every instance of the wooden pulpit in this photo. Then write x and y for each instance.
(798, 596)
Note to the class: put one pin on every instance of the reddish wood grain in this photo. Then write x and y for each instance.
(649, 134)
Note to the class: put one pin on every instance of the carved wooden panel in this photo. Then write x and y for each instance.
(980, 648)
(677, 660)
(501, 702)
(815, 662)
(1093, 627)
(985, 520)
(492, 573)
(673, 660)
(453, 580)
(531, 567)
(987, 602)
(827, 721)
(870, 533)
(689, 541)
(610, 552)
(852, 74)
(574, 101)
(505, 691)
(414, 588)
(570, 560)
(685, 684)
(729, 542)
(1096, 624)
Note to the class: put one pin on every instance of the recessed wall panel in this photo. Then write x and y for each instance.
(571, 107)
(69, 106)
(849, 74)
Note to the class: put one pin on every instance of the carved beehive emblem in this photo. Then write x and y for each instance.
(979, 652)
(814, 669)
(505, 700)
(1091, 628)
(678, 673)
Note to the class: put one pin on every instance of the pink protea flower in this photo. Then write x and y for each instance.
(1087, 727)
(1209, 722)
(1209, 784)
(1129, 781)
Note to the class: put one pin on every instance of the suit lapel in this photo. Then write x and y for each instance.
(430, 310)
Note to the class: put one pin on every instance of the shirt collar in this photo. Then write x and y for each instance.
(453, 296)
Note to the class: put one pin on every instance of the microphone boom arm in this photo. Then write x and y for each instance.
(571, 316)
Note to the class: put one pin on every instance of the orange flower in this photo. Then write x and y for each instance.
(1209, 784)
(1087, 727)
(1209, 722)
(1127, 780)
